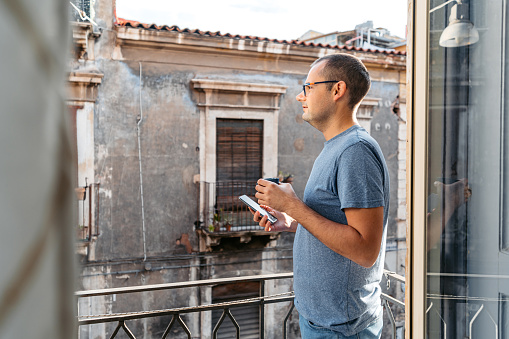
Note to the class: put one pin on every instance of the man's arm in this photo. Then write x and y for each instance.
(358, 241)
(450, 197)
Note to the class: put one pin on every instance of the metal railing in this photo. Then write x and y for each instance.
(387, 300)
(480, 309)
(220, 209)
(175, 313)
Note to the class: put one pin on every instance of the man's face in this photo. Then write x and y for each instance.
(317, 103)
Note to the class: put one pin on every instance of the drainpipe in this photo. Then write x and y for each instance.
(140, 119)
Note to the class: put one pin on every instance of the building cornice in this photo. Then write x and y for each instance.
(221, 44)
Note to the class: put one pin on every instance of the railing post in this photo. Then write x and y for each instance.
(285, 323)
(226, 312)
(391, 317)
(122, 325)
(262, 309)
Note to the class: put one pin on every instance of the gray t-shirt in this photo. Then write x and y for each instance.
(331, 290)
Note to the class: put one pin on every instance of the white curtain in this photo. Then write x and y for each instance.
(36, 197)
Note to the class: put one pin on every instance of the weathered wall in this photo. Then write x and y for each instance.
(169, 159)
(384, 128)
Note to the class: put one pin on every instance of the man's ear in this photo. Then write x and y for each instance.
(339, 90)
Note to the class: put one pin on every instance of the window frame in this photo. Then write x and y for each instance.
(417, 122)
(254, 102)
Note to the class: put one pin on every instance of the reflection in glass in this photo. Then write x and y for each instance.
(467, 263)
(460, 31)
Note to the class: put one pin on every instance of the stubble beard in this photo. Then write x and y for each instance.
(307, 118)
(317, 122)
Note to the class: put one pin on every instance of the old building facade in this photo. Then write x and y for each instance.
(162, 115)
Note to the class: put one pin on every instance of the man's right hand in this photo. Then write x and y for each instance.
(284, 222)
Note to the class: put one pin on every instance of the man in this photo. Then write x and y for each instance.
(339, 247)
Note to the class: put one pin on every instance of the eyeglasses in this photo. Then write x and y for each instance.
(307, 84)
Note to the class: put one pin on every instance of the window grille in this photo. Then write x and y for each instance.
(83, 5)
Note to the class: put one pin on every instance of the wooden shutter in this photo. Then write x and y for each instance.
(239, 150)
(239, 154)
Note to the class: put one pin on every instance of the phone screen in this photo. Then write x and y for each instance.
(255, 207)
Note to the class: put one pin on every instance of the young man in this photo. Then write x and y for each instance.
(339, 247)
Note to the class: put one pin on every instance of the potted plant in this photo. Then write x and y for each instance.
(227, 222)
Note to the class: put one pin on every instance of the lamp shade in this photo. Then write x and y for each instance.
(459, 33)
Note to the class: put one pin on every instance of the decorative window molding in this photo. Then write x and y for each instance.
(233, 100)
(82, 86)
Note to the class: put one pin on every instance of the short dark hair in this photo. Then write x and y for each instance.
(347, 68)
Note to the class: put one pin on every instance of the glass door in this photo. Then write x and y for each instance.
(467, 174)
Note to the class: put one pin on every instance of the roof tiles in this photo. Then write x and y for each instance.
(137, 24)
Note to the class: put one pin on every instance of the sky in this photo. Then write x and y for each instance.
(273, 19)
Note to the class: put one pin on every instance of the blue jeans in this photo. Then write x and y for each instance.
(309, 330)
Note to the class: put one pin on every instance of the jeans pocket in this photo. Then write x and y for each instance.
(316, 327)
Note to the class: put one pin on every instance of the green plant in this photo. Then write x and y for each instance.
(228, 219)
(228, 222)
(218, 215)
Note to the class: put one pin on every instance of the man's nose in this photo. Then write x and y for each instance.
(300, 96)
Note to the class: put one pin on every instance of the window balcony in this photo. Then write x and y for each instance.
(222, 215)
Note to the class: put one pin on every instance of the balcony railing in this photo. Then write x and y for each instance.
(220, 209)
(122, 318)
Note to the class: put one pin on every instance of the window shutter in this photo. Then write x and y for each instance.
(239, 150)
(239, 154)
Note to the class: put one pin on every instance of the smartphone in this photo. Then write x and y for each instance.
(255, 207)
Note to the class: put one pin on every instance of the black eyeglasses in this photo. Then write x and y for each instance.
(307, 84)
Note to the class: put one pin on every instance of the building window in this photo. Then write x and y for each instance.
(239, 150)
(239, 155)
(236, 111)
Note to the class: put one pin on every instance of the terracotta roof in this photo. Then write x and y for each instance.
(137, 24)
